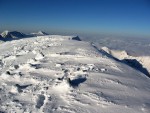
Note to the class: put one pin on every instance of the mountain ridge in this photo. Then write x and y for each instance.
(13, 35)
(138, 62)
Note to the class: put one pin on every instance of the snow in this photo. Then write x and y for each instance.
(3, 34)
(129, 50)
(39, 33)
(59, 74)
(121, 55)
(11, 35)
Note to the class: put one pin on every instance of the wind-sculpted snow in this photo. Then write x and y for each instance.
(58, 74)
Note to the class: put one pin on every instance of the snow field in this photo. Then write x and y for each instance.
(55, 74)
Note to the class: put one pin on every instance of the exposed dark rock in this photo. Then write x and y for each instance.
(76, 38)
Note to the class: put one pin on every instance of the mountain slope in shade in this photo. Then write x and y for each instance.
(138, 62)
(10, 35)
(57, 74)
(1, 37)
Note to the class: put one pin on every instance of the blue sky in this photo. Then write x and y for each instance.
(125, 17)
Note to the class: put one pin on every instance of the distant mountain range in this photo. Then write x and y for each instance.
(13, 35)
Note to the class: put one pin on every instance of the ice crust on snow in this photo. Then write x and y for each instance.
(58, 74)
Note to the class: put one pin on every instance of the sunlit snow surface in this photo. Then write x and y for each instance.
(56, 74)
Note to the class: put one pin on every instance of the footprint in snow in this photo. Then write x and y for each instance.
(40, 101)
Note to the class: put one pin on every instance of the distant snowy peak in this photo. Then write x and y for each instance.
(40, 33)
(9, 35)
(6, 32)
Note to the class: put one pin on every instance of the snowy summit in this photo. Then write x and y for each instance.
(62, 74)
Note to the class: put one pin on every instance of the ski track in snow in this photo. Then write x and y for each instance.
(54, 74)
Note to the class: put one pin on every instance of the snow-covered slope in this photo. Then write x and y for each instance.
(10, 35)
(58, 74)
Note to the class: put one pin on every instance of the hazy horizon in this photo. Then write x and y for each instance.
(88, 17)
